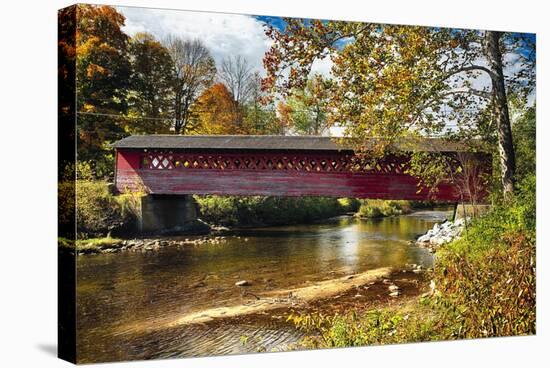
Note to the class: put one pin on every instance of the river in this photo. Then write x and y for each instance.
(126, 301)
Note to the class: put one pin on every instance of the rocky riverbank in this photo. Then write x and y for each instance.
(147, 245)
(441, 234)
(113, 245)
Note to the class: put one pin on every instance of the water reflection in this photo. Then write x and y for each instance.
(116, 290)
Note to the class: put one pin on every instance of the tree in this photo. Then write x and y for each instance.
(102, 74)
(236, 73)
(151, 82)
(213, 111)
(390, 81)
(259, 115)
(285, 117)
(194, 70)
(308, 107)
(66, 74)
(525, 141)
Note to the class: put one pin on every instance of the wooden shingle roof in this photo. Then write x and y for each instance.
(271, 142)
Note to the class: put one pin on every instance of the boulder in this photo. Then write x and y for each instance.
(424, 238)
(393, 288)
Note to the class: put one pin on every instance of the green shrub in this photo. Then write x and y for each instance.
(373, 208)
(369, 211)
(492, 294)
(349, 204)
(486, 280)
(99, 212)
(374, 327)
(525, 141)
(257, 211)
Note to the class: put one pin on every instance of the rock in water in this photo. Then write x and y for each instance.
(242, 283)
(424, 238)
(393, 288)
(198, 284)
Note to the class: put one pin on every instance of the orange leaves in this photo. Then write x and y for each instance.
(285, 114)
(93, 70)
(217, 111)
(382, 75)
(295, 49)
(103, 21)
(454, 43)
(102, 74)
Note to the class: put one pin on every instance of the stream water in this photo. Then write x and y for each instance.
(119, 292)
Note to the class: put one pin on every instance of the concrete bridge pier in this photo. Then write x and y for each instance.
(162, 214)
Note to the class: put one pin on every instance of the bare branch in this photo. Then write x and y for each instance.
(469, 68)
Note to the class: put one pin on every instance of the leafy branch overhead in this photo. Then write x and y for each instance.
(390, 81)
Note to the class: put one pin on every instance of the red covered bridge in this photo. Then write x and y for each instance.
(275, 166)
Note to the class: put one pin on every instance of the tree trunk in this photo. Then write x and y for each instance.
(504, 130)
(177, 110)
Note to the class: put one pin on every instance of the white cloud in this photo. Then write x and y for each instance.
(224, 34)
(322, 66)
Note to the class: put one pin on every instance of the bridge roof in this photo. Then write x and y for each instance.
(271, 142)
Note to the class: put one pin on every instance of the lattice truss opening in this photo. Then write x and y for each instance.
(288, 162)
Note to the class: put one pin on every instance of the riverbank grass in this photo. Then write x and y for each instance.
(89, 245)
(97, 243)
(407, 321)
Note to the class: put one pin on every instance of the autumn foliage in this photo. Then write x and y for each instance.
(142, 85)
(215, 113)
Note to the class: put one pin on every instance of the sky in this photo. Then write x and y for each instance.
(234, 34)
(223, 34)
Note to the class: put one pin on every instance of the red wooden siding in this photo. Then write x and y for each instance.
(272, 173)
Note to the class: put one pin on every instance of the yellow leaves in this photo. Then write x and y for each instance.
(93, 70)
(86, 47)
(88, 107)
(216, 111)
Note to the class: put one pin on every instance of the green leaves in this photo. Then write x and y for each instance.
(307, 107)
(382, 326)
(393, 81)
(150, 92)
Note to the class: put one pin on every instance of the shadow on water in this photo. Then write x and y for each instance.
(116, 290)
